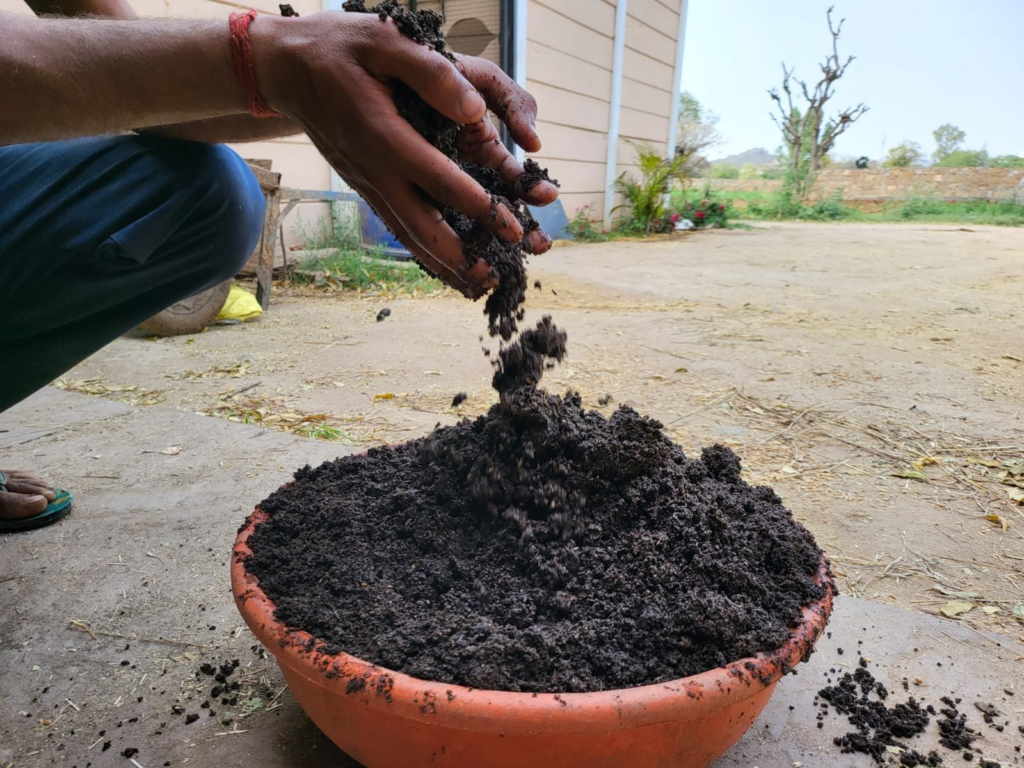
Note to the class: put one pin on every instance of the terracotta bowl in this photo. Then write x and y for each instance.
(385, 719)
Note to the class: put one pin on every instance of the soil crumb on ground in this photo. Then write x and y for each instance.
(877, 726)
(541, 547)
(504, 304)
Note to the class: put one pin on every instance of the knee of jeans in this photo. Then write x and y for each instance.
(238, 208)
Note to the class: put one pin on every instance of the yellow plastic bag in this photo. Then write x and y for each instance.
(240, 305)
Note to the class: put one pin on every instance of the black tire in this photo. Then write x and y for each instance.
(191, 315)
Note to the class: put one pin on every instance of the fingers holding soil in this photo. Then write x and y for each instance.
(480, 143)
(537, 242)
(513, 105)
(450, 186)
(436, 247)
(432, 76)
(18, 506)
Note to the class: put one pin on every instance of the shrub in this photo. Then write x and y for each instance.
(645, 194)
(750, 171)
(583, 227)
(829, 209)
(724, 171)
(711, 210)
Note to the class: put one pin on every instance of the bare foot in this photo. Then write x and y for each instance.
(25, 496)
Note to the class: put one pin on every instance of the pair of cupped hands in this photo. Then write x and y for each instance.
(333, 74)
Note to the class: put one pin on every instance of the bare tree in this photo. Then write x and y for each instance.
(804, 129)
(698, 132)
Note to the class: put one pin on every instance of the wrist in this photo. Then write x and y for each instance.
(274, 43)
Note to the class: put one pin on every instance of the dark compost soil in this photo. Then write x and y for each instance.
(541, 547)
(504, 305)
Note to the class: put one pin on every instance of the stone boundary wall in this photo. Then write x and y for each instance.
(884, 184)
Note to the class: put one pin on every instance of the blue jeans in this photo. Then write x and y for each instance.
(98, 235)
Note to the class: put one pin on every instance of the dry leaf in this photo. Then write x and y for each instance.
(984, 463)
(925, 462)
(384, 396)
(174, 450)
(1016, 495)
(787, 470)
(962, 595)
(911, 474)
(954, 608)
(1016, 469)
(999, 520)
(990, 610)
(682, 370)
(1018, 612)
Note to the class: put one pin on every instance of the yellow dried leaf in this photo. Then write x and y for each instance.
(682, 370)
(984, 463)
(1016, 495)
(954, 608)
(926, 462)
(998, 520)
(911, 474)
(384, 396)
(990, 610)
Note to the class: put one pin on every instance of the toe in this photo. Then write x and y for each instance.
(25, 477)
(18, 506)
(31, 488)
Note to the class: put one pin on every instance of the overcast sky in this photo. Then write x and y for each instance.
(920, 63)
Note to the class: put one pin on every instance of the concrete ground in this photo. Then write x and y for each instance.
(143, 563)
(874, 375)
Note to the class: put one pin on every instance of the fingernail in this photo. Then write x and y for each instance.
(472, 104)
(35, 499)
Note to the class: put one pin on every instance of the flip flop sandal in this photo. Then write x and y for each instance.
(56, 510)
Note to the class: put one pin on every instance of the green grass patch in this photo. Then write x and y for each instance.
(774, 206)
(338, 253)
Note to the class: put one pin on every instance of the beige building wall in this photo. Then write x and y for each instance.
(569, 63)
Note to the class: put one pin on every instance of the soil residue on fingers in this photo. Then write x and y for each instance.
(541, 547)
(503, 306)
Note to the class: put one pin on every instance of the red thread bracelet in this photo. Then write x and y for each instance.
(241, 52)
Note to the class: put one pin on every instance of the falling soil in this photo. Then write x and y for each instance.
(504, 305)
(542, 547)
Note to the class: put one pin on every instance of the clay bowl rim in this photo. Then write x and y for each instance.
(509, 712)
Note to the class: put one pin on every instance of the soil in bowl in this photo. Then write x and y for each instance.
(539, 548)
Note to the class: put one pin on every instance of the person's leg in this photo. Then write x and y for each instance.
(98, 235)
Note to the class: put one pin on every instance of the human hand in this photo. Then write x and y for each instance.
(333, 73)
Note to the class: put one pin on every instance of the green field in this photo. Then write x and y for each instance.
(764, 206)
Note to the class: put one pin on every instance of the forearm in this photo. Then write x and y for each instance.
(233, 129)
(66, 78)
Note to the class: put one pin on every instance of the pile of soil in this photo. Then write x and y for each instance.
(504, 305)
(541, 547)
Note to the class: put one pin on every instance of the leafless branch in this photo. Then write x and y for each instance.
(821, 135)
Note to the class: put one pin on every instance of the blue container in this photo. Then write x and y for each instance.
(375, 234)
